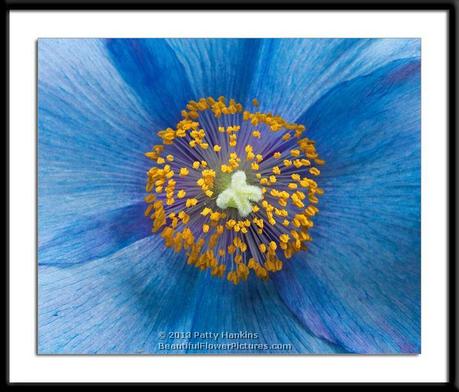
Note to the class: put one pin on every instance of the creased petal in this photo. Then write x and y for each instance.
(92, 133)
(154, 72)
(217, 67)
(358, 285)
(129, 302)
(253, 307)
(93, 237)
(291, 74)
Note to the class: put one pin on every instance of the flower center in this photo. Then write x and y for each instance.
(239, 195)
(233, 189)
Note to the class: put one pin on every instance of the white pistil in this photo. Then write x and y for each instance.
(239, 194)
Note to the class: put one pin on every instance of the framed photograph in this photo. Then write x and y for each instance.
(264, 189)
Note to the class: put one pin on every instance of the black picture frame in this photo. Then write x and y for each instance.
(323, 5)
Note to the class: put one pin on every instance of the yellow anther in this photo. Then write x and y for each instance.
(191, 202)
(150, 198)
(281, 212)
(230, 224)
(184, 217)
(168, 135)
(215, 216)
(226, 169)
(298, 163)
(314, 171)
(299, 195)
(184, 171)
(180, 133)
(181, 194)
(206, 211)
(149, 209)
(286, 137)
(170, 157)
(313, 199)
(217, 148)
(256, 134)
(259, 222)
(292, 185)
(196, 165)
(233, 140)
(284, 238)
(205, 228)
(276, 170)
(319, 191)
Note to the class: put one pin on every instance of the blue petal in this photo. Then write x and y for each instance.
(358, 285)
(155, 73)
(117, 304)
(218, 67)
(94, 237)
(253, 307)
(92, 133)
(122, 304)
(291, 74)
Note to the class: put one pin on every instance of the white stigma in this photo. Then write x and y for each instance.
(239, 194)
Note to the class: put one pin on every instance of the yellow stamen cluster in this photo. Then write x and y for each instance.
(232, 165)
(206, 182)
(194, 159)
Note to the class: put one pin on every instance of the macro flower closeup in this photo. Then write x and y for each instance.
(223, 196)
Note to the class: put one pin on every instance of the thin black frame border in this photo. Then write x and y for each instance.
(321, 5)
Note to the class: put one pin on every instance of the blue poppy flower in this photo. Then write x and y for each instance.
(107, 284)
